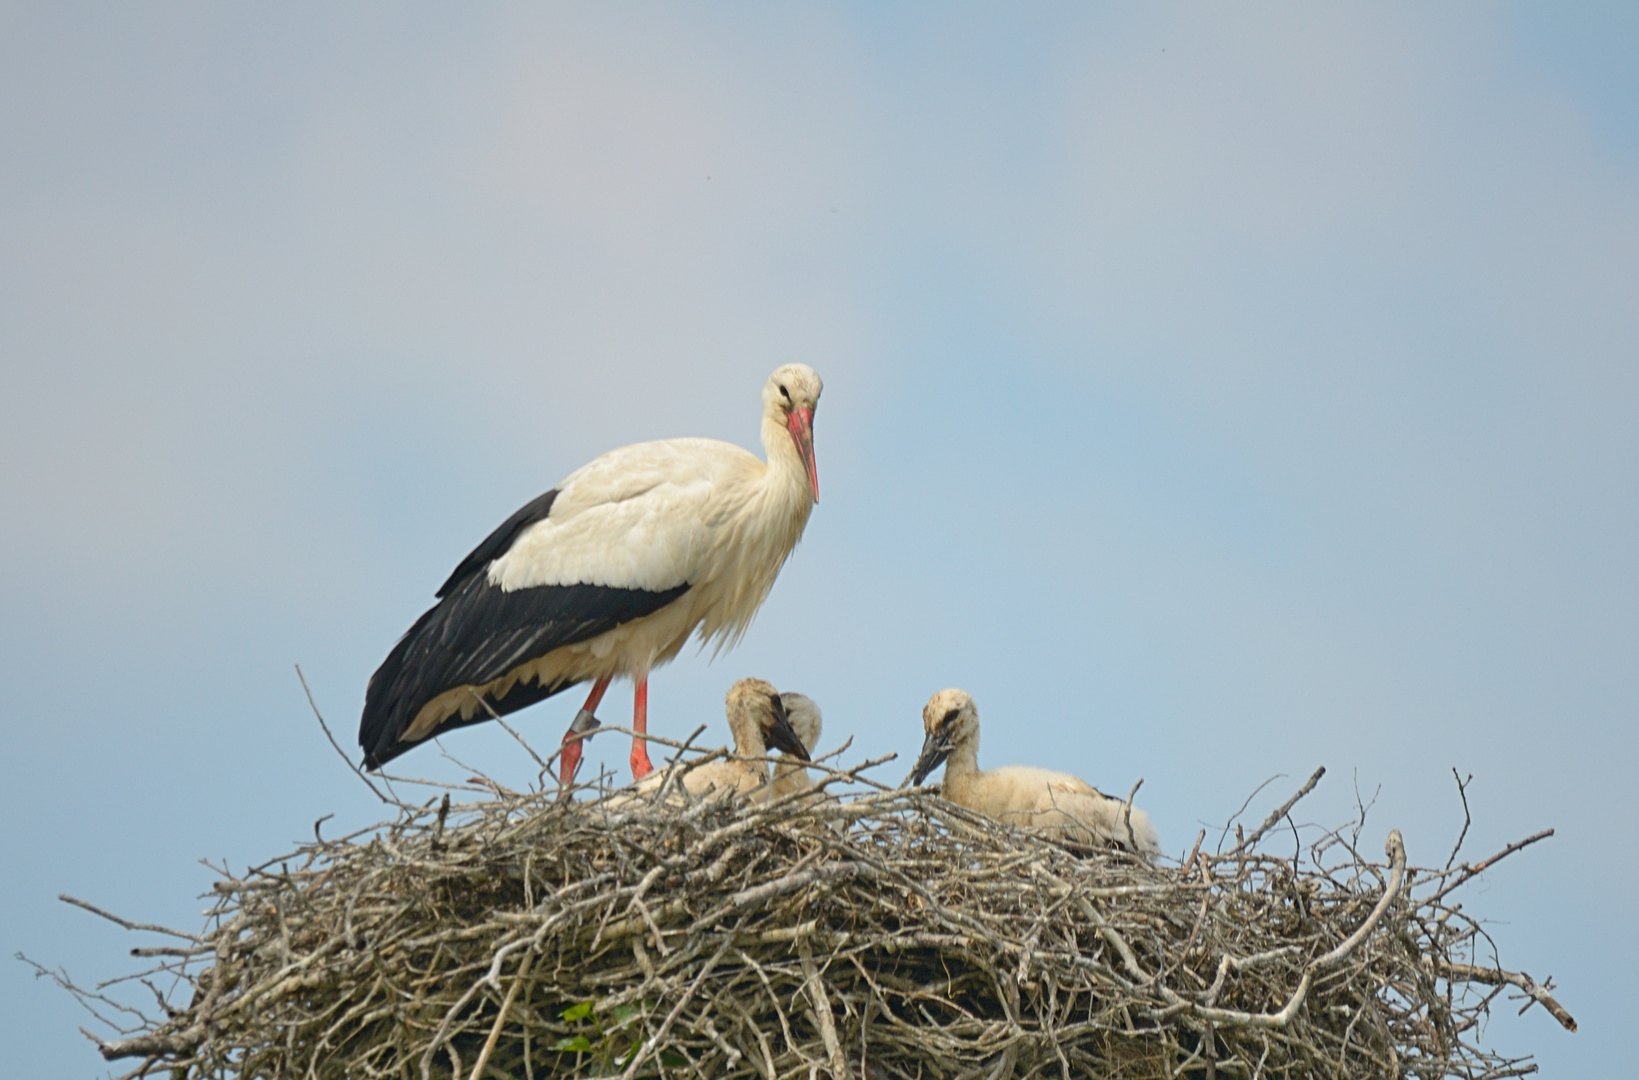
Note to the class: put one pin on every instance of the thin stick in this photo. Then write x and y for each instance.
(495, 716)
(149, 927)
(1194, 852)
(822, 1010)
(1499, 977)
(1279, 812)
(356, 770)
(1255, 792)
(1127, 815)
(500, 1018)
(650, 1044)
(1396, 850)
(1462, 792)
(1485, 864)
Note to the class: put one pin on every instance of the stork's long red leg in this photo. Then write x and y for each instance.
(585, 720)
(640, 724)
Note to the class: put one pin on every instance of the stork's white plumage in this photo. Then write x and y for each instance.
(1054, 802)
(606, 575)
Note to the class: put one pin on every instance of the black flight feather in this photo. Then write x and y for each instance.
(477, 633)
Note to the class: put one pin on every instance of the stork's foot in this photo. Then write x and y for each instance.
(640, 759)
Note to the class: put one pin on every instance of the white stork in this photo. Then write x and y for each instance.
(1053, 802)
(608, 574)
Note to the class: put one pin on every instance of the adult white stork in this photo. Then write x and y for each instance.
(608, 574)
(1052, 802)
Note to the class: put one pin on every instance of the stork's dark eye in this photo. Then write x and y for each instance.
(785, 394)
(949, 716)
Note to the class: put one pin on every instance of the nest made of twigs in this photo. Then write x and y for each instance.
(866, 932)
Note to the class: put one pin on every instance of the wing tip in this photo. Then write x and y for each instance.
(379, 747)
(373, 761)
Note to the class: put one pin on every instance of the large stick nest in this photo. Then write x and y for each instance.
(868, 932)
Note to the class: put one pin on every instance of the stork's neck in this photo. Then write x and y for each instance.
(748, 738)
(963, 760)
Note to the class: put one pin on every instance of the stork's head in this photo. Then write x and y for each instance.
(805, 718)
(950, 719)
(790, 398)
(754, 709)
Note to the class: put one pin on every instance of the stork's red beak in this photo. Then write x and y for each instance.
(801, 424)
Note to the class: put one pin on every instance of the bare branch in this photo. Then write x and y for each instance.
(1127, 816)
(320, 717)
(151, 928)
(1498, 977)
(1462, 793)
(1483, 865)
(1280, 811)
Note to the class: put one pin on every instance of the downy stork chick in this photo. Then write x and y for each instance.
(607, 575)
(1053, 802)
(758, 720)
(791, 774)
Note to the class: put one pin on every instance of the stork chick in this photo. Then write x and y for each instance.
(1052, 802)
(791, 774)
(758, 720)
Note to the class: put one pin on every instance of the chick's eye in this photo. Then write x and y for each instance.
(785, 394)
(949, 717)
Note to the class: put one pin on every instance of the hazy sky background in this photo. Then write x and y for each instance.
(1214, 393)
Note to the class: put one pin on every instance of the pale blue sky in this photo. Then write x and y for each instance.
(1212, 392)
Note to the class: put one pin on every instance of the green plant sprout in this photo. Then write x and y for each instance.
(607, 1041)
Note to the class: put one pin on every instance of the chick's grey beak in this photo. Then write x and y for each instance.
(782, 736)
(935, 748)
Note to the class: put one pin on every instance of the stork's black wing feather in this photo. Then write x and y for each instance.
(477, 633)
(496, 543)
